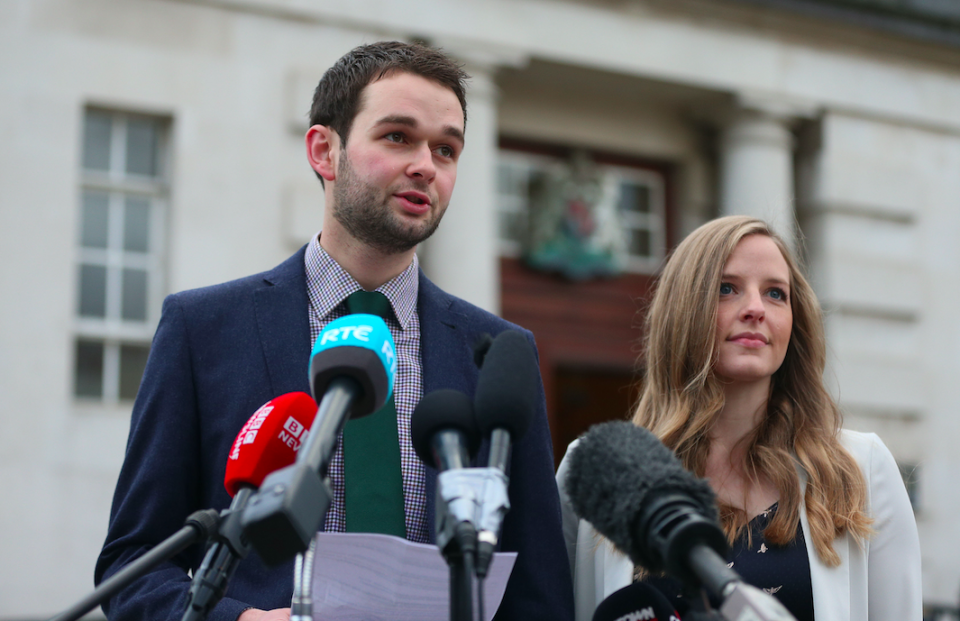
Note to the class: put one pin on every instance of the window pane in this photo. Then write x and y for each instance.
(511, 180)
(639, 243)
(136, 224)
(133, 359)
(96, 141)
(634, 197)
(96, 215)
(93, 290)
(134, 294)
(911, 480)
(141, 147)
(88, 375)
(512, 226)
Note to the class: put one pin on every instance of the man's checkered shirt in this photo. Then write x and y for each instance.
(328, 286)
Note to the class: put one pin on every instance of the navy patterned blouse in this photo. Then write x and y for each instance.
(783, 571)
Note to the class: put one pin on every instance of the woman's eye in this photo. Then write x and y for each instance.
(726, 288)
(778, 294)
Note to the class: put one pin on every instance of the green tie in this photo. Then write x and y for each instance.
(372, 483)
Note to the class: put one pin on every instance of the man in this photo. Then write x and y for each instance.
(387, 130)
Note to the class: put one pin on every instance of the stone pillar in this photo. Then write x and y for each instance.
(756, 167)
(462, 257)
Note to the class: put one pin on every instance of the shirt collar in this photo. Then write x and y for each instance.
(328, 285)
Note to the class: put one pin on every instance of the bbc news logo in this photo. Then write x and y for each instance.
(293, 433)
(248, 434)
(644, 614)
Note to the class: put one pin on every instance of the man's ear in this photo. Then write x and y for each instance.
(323, 151)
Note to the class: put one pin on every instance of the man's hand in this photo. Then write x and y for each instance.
(254, 614)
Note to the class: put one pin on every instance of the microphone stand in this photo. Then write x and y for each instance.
(285, 514)
(198, 526)
(211, 579)
(457, 504)
(691, 545)
(301, 605)
(458, 552)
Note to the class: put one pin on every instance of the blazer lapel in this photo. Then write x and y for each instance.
(444, 350)
(830, 585)
(282, 308)
(447, 363)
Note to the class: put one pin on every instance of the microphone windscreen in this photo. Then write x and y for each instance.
(438, 411)
(359, 347)
(269, 440)
(507, 388)
(480, 349)
(637, 601)
(618, 468)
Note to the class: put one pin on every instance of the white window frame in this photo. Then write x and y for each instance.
(112, 330)
(655, 221)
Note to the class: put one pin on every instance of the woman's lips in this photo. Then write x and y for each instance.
(749, 339)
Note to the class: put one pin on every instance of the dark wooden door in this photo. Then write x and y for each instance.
(585, 397)
(589, 339)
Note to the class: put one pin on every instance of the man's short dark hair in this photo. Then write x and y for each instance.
(337, 98)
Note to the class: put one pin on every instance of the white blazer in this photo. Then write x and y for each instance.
(876, 581)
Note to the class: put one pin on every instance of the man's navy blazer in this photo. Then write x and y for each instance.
(221, 352)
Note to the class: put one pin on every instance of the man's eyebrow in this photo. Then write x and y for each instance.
(398, 120)
(409, 121)
(453, 132)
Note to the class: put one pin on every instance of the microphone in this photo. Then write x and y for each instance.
(199, 526)
(445, 435)
(635, 602)
(352, 369)
(268, 441)
(635, 492)
(480, 348)
(444, 431)
(505, 402)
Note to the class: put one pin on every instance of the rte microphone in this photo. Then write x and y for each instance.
(352, 369)
(635, 602)
(635, 492)
(268, 441)
(506, 399)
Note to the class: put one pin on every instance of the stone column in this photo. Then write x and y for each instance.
(756, 166)
(462, 256)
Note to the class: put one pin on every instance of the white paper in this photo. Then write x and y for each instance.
(366, 577)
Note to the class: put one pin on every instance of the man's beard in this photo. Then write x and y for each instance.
(364, 211)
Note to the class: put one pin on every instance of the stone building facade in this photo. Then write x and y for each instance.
(150, 146)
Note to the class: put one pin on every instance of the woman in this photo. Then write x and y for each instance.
(735, 355)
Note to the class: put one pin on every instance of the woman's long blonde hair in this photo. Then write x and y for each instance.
(681, 396)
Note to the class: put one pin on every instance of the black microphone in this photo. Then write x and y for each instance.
(635, 492)
(444, 431)
(480, 348)
(637, 601)
(352, 368)
(199, 526)
(445, 435)
(506, 399)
